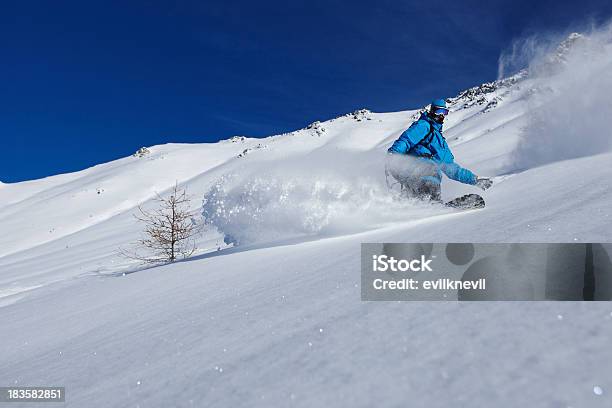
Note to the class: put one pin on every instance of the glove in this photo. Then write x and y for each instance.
(484, 183)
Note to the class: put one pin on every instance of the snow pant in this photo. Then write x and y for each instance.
(418, 177)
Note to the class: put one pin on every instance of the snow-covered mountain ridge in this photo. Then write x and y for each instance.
(328, 174)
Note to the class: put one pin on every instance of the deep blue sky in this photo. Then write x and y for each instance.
(84, 82)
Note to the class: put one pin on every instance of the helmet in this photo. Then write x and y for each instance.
(438, 110)
(438, 103)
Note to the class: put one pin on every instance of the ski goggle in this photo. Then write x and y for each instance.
(439, 111)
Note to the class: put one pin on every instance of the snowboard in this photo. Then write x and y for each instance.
(467, 202)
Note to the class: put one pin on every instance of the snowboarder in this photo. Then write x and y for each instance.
(420, 155)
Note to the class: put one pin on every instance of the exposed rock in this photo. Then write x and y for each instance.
(361, 114)
(142, 152)
(316, 128)
(236, 139)
(250, 149)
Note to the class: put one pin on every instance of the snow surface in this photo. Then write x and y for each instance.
(277, 319)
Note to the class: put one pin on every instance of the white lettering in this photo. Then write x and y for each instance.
(384, 263)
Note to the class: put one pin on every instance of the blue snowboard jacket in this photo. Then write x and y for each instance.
(419, 142)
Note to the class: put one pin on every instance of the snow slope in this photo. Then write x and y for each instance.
(277, 320)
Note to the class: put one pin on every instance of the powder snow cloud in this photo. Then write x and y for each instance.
(570, 107)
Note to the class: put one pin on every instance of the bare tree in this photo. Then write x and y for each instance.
(169, 229)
